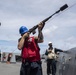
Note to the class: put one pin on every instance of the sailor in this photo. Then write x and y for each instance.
(51, 58)
(31, 61)
(9, 58)
(3, 56)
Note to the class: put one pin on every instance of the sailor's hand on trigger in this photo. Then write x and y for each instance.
(40, 25)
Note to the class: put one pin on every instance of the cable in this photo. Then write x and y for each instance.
(72, 5)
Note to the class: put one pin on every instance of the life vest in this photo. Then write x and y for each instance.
(52, 54)
(31, 50)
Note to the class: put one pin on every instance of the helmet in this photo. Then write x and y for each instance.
(49, 42)
(23, 30)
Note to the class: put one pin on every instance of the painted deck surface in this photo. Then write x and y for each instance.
(66, 65)
(14, 68)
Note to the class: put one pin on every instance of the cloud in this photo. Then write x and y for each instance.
(58, 29)
(71, 40)
(49, 30)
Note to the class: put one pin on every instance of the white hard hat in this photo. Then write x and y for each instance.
(50, 42)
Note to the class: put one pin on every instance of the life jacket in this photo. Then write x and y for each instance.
(31, 50)
(52, 54)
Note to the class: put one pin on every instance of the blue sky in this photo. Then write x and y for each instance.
(60, 29)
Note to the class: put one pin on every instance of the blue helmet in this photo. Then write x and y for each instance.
(23, 30)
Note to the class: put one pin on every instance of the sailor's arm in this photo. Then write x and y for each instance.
(58, 50)
(40, 34)
(22, 40)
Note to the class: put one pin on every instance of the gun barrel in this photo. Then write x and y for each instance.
(0, 23)
(61, 9)
(32, 29)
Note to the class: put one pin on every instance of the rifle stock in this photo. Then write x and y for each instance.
(32, 30)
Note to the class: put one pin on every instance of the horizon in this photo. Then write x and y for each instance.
(60, 29)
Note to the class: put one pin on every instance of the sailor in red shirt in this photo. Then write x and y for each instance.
(30, 51)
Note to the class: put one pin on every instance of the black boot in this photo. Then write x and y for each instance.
(48, 74)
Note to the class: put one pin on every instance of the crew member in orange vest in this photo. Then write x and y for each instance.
(30, 51)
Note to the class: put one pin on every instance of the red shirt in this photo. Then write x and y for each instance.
(31, 50)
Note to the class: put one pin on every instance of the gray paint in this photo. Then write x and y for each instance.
(66, 64)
